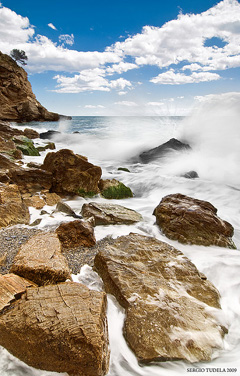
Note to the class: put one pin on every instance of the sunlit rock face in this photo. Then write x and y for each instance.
(17, 101)
(192, 221)
(59, 328)
(169, 305)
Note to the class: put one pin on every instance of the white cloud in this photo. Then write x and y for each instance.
(14, 29)
(122, 92)
(66, 39)
(126, 103)
(155, 104)
(94, 106)
(52, 26)
(172, 78)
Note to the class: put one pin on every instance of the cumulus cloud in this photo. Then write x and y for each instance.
(172, 78)
(52, 26)
(66, 39)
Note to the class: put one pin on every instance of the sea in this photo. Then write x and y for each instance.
(114, 142)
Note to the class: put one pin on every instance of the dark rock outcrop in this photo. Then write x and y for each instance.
(59, 328)
(167, 301)
(76, 233)
(40, 260)
(109, 214)
(192, 221)
(190, 175)
(49, 134)
(72, 173)
(17, 101)
(162, 150)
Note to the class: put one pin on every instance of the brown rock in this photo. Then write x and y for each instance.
(60, 328)
(166, 299)
(11, 288)
(12, 208)
(7, 132)
(51, 198)
(76, 233)
(192, 221)
(34, 201)
(41, 261)
(72, 174)
(31, 133)
(18, 103)
(30, 179)
(106, 214)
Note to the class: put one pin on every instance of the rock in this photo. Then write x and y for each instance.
(72, 173)
(25, 145)
(41, 261)
(30, 179)
(49, 145)
(192, 221)
(76, 233)
(191, 175)
(12, 287)
(8, 148)
(123, 169)
(51, 198)
(18, 103)
(114, 189)
(34, 201)
(7, 132)
(167, 302)
(162, 150)
(36, 222)
(49, 134)
(12, 208)
(31, 133)
(59, 328)
(34, 165)
(4, 178)
(65, 208)
(6, 162)
(108, 214)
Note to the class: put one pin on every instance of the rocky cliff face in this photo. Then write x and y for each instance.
(17, 101)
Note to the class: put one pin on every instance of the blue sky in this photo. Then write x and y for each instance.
(125, 58)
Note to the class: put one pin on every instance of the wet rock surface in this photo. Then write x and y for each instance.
(66, 329)
(40, 260)
(110, 214)
(76, 233)
(162, 150)
(13, 210)
(72, 173)
(114, 189)
(192, 221)
(166, 299)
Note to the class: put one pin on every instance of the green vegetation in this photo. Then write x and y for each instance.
(25, 145)
(81, 192)
(117, 192)
(19, 55)
(123, 169)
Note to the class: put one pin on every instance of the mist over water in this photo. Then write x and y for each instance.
(213, 132)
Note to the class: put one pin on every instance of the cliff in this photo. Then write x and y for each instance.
(17, 101)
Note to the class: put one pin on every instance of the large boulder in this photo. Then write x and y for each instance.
(114, 189)
(72, 173)
(169, 305)
(30, 179)
(162, 150)
(192, 221)
(76, 233)
(13, 210)
(60, 328)
(18, 103)
(41, 261)
(110, 214)
(12, 287)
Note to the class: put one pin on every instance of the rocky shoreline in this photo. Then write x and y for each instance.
(169, 305)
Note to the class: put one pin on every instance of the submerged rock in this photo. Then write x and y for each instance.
(190, 175)
(72, 173)
(114, 189)
(162, 150)
(76, 233)
(13, 210)
(167, 301)
(109, 214)
(192, 221)
(41, 260)
(59, 328)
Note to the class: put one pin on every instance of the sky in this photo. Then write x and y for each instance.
(132, 57)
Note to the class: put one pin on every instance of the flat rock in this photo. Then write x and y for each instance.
(13, 210)
(41, 261)
(76, 233)
(167, 301)
(110, 214)
(11, 288)
(72, 173)
(192, 221)
(162, 150)
(59, 328)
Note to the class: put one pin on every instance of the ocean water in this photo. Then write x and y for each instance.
(113, 142)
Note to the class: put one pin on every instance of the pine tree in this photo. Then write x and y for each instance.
(19, 55)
